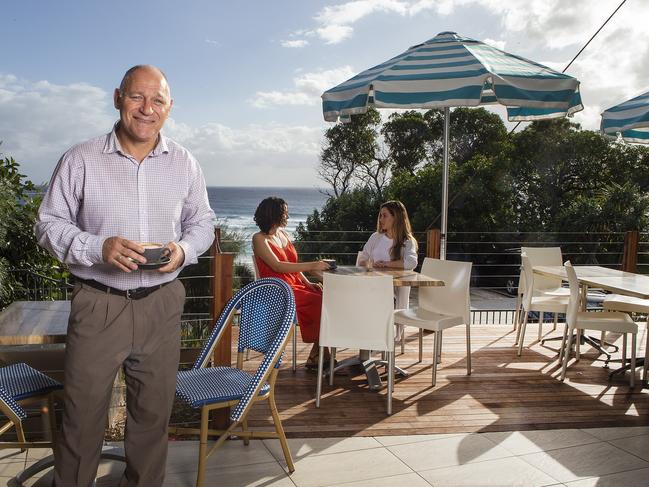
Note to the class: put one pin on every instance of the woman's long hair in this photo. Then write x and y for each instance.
(401, 228)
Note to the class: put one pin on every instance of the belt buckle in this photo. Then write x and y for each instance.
(130, 293)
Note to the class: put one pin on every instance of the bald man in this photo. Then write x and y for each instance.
(107, 197)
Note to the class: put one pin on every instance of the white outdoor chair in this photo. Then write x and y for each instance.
(441, 307)
(593, 320)
(545, 285)
(401, 301)
(294, 342)
(629, 304)
(357, 312)
(537, 302)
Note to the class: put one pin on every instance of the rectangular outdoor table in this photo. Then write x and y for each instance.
(619, 282)
(31, 323)
(400, 278)
(34, 322)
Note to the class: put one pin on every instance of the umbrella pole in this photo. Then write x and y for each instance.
(442, 249)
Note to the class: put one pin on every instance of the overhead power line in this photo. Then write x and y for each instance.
(584, 47)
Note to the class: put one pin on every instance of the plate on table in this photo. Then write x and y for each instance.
(149, 266)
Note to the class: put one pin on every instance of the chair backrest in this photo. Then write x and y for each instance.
(453, 298)
(528, 278)
(8, 406)
(267, 313)
(521, 281)
(573, 300)
(544, 256)
(357, 312)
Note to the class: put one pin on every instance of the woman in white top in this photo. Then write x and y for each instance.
(392, 246)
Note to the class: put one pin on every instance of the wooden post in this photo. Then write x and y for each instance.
(222, 273)
(433, 243)
(630, 257)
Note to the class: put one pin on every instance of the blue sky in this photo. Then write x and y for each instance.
(246, 77)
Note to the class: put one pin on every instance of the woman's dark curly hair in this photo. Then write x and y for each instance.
(270, 212)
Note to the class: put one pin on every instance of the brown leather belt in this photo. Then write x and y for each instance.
(138, 293)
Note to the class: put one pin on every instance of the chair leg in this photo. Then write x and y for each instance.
(563, 342)
(556, 320)
(421, 344)
(294, 347)
(517, 313)
(390, 380)
(468, 349)
(540, 325)
(566, 355)
(280, 433)
(578, 344)
(646, 347)
(633, 345)
(623, 349)
(332, 358)
(202, 447)
(20, 433)
(435, 355)
(521, 332)
(403, 339)
(318, 390)
(439, 348)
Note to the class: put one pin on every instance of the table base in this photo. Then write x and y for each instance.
(596, 343)
(370, 368)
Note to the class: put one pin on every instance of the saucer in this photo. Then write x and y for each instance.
(149, 266)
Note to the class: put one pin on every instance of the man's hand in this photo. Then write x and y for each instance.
(119, 251)
(176, 256)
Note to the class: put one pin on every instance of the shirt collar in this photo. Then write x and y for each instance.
(112, 144)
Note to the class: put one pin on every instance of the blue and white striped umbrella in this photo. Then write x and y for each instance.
(630, 119)
(451, 71)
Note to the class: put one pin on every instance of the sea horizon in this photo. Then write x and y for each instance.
(235, 207)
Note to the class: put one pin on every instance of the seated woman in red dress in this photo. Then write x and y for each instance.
(276, 256)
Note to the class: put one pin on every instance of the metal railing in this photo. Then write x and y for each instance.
(495, 257)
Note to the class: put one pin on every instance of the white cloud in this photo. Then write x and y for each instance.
(497, 44)
(334, 33)
(335, 20)
(308, 88)
(295, 44)
(40, 120)
(269, 155)
(552, 23)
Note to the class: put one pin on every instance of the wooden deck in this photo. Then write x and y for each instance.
(503, 393)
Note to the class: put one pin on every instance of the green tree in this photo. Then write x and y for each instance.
(19, 251)
(350, 156)
(555, 164)
(407, 136)
(471, 131)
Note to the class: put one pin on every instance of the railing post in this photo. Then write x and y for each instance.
(630, 257)
(433, 243)
(222, 273)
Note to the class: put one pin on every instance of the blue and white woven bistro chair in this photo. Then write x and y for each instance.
(20, 386)
(267, 308)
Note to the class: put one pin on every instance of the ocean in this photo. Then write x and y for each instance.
(235, 206)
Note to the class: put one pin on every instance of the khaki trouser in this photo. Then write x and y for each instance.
(107, 332)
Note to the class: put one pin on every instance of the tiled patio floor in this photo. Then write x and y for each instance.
(573, 457)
